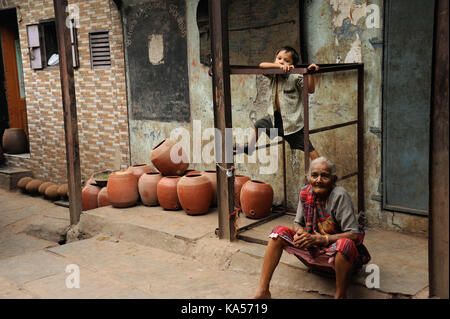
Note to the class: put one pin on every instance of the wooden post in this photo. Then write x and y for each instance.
(360, 138)
(218, 13)
(70, 110)
(306, 123)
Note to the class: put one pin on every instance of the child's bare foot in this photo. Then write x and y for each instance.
(263, 294)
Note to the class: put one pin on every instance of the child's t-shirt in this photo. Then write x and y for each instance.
(289, 101)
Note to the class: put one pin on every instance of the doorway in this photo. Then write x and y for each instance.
(12, 89)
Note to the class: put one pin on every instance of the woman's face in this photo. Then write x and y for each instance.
(320, 179)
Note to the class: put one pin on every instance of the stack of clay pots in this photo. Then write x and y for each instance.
(49, 190)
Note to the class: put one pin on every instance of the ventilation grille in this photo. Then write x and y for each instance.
(100, 49)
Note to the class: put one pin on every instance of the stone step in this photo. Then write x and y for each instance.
(9, 176)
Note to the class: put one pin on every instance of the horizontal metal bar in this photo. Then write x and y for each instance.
(299, 69)
(252, 240)
(261, 147)
(406, 210)
(261, 221)
(332, 127)
(347, 176)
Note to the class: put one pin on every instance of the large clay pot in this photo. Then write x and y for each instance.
(102, 198)
(195, 193)
(239, 181)
(161, 159)
(33, 186)
(44, 186)
(139, 169)
(89, 196)
(122, 189)
(15, 141)
(166, 190)
(147, 185)
(191, 171)
(51, 192)
(212, 177)
(256, 199)
(22, 183)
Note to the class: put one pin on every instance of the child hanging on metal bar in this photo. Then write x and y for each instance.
(285, 110)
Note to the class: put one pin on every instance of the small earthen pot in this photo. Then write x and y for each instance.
(139, 169)
(256, 199)
(163, 161)
(15, 141)
(191, 171)
(22, 183)
(195, 194)
(122, 189)
(33, 186)
(212, 177)
(166, 191)
(102, 198)
(89, 196)
(63, 190)
(147, 185)
(239, 181)
(51, 192)
(44, 186)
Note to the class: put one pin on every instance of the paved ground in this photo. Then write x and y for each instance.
(144, 252)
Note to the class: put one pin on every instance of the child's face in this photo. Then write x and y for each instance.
(283, 57)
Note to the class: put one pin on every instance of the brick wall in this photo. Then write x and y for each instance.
(100, 95)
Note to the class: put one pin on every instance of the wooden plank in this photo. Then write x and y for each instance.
(70, 110)
(360, 147)
(218, 12)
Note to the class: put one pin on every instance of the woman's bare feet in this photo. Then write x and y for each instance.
(263, 294)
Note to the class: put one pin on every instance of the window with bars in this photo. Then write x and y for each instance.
(100, 49)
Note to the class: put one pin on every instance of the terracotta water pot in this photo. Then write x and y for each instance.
(161, 159)
(147, 185)
(33, 186)
(22, 183)
(15, 141)
(256, 199)
(102, 198)
(212, 177)
(44, 186)
(166, 191)
(139, 169)
(122, 189)
(239, 181)
(63, 190)
(195, 194)
(89, 196)
(51, 192)
(191, 171)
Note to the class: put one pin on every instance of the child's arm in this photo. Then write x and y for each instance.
(272, 65)
(311, 84)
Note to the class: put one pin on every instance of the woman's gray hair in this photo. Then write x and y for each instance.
(330, 165)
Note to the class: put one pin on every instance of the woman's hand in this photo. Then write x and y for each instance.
(306, 240)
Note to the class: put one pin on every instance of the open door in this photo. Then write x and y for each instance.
(12, 77)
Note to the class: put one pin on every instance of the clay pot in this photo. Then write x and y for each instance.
(63, 190)
(89, 196)
(139, 169)
(195, 193)
(15, 141)
(256, 199)
(122, 189)
(191, 171)
(51, 192)
(212, 177)
(44, 186)
(239, 181)
(166, 191)
(22, 183)
(102, 198)
(147, 188)
(33, 186)
(161, 159)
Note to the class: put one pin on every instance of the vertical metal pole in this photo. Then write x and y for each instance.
(70, 110)
(284, 176)
(361, 204)
(306, 122)
(218, 13)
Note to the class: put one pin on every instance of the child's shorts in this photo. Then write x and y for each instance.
(295, 140)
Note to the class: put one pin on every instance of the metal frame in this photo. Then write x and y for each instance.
(222, 115)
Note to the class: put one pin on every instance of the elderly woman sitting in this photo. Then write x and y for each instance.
(326, 234)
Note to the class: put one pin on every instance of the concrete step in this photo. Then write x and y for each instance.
(9, 176)
(193, 236)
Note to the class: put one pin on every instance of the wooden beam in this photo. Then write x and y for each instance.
(222, 114)
(70, 110)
